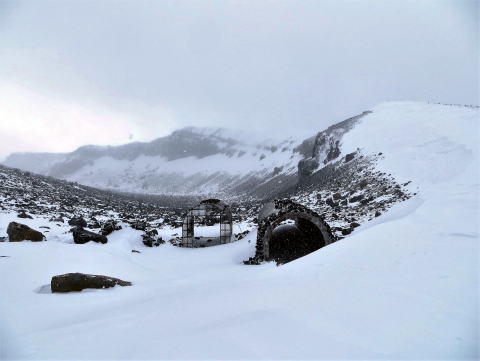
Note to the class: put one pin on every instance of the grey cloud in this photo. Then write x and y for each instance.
(294, 65)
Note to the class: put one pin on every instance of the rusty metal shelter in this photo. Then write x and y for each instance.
(274, 213)
(207, 212)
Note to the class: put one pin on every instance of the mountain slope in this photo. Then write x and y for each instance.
(403, 285)
(189, 161)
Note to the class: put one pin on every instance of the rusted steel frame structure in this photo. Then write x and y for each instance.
(215, 209)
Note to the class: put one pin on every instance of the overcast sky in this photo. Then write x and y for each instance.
(108, 72)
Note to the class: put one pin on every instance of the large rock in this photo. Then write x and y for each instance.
(306, 167)
(78, 221)
(81, 236)
(18, 232)
(74, 282)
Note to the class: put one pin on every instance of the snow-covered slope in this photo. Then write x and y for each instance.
(189, 161)
(402, 286)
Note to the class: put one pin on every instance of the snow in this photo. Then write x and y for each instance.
(156, 171)
(404, 285)
(429, 143)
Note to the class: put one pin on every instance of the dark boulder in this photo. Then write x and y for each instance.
(337, 196)
(18, 232)
(151, 239)
(330, 202)
(81, 236)
(306, 167)
(346, 231)
(77, 221)
(152, 242)
(110, 226)
(74, 282)
(349, 157)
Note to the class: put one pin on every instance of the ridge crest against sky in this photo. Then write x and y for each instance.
(104, 72)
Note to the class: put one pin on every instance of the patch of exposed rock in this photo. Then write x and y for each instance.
(110, 226)
(77, 221)
(151, 238)
(23, 214)
(81, 236)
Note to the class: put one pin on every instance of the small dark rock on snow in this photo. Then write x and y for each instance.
(241, 235)
(22, 214)
(74, 282)
(349, 157)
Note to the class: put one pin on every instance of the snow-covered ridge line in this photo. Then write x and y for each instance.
(175, 164)
(225, 163)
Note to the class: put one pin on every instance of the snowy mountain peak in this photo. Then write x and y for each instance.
(190, 160)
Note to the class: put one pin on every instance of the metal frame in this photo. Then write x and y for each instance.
(207, 208)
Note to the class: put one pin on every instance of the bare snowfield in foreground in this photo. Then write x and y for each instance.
(404, 285)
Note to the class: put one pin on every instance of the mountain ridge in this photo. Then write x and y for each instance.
(210, 162)
(176, 153)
